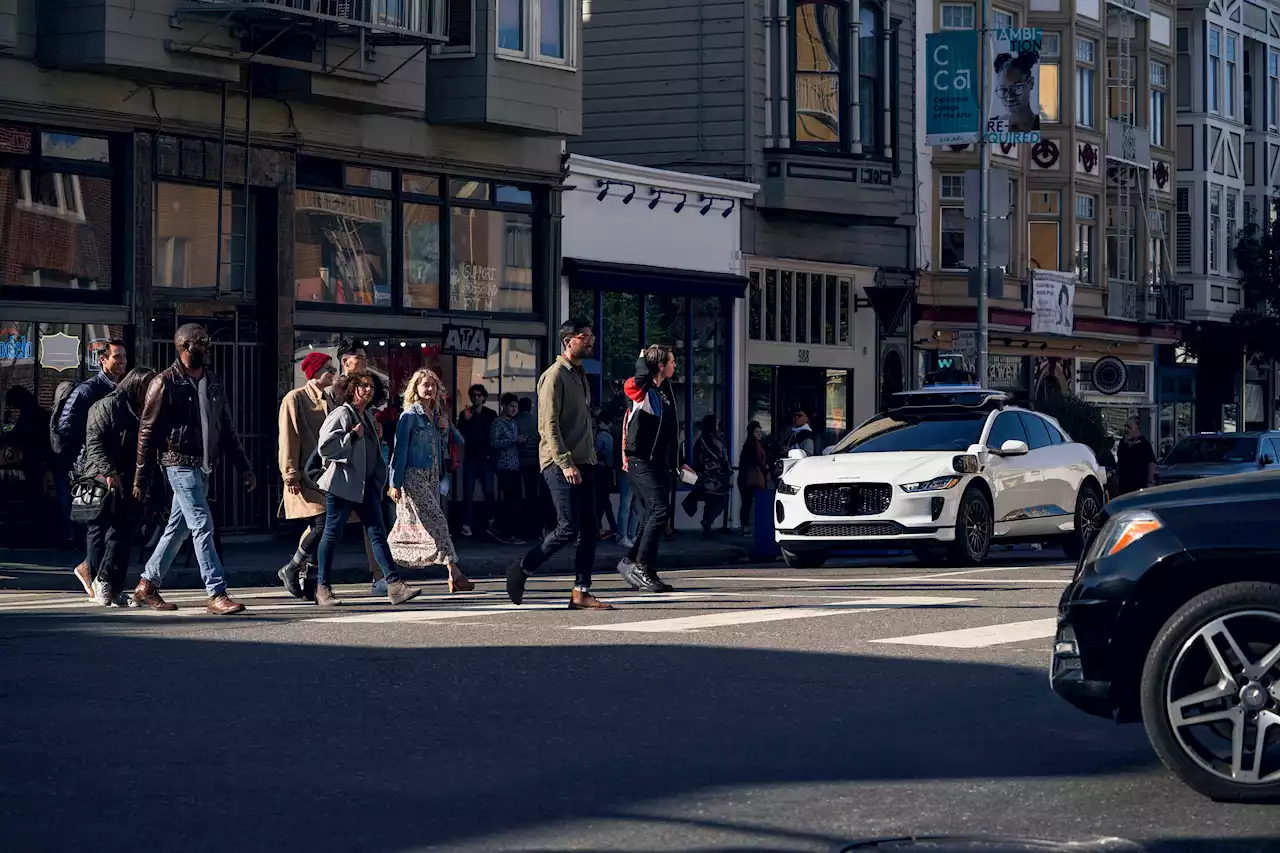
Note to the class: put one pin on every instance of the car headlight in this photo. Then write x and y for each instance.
(947, 481)
(1122, 531)
(787, 489)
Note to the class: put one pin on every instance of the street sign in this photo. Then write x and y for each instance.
(952, 114)
(997, 242)
(997, 201)
(1013, 104)
(470, 341)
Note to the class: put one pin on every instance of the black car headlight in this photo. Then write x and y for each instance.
(1121, 531)
(947, 481)
(785, 488)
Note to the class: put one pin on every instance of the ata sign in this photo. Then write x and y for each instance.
(469, 341)
(952, 115)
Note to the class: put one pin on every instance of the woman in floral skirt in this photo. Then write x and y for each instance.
(421, 533)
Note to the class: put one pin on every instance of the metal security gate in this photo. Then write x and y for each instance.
(239, 360)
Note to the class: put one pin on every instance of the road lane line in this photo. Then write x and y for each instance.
(978, 638)
(680, 624)
(415, 614)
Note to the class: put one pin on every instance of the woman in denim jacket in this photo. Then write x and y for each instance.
(421, 534)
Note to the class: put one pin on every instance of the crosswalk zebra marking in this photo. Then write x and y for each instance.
(681, 624)
(982, 637)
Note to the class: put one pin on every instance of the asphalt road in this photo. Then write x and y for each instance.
(756, 708)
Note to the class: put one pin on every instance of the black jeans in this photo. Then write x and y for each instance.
(748, 493)
(651, 483)
(510, 503)
(539, 515)
(577, 521)
(110, 540)
(604, 491)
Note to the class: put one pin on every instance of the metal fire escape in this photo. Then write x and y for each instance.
(1126, 175)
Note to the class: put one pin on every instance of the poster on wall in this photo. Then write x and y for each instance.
(1053, 302)
(1013, 105)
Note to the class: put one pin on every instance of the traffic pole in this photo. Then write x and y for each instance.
(984, 183)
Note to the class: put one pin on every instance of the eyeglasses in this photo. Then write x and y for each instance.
(1014, 91)
(199, 342)
(585, 336)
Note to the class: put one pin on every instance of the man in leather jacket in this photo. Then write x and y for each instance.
(187, 424)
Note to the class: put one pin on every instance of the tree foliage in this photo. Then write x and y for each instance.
(1083, 422)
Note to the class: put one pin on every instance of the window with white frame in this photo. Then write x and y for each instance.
(50, 193)
(1120, 93)
(1229, 82)
(1086, 238)
(951, 222)
(1233, 228)
(1213, 83)
(1086, 82)
(1044, 228)
(541, 31)
(1273, 89)
(1157, 269)
(1002, 20)
(1215, 227)
(959, 16)
(1048, 77)
(1183, 67)
(1159, 106)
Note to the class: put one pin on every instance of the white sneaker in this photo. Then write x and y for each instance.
(378, 587)
(125, 599)
(102, 593)
(626, 543)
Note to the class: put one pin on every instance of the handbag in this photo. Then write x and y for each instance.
(89, 496)
(314, 469)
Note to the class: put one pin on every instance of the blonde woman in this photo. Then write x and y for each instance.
(421, 533)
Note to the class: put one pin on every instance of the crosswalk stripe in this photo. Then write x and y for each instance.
(417, 614)
(747, 617)
(977, 638)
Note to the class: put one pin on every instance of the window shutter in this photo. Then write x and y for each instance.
(1184, 229)
(460, 18)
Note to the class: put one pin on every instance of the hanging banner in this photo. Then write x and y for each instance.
(952, 113)
(1013, 104)
(1053, 302)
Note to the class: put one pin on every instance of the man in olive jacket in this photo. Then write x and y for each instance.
(567, 456)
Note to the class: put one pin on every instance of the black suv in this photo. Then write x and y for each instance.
(1173, 619)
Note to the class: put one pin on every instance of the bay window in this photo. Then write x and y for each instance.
(1215, 227)
(1086, 238)
(539, 31)
(1044, 235)
(951, 222)
(1229, 83)
(1048, 77)
(1159, 104)
(1213, 82)
(1086, 82)
(1273, 90)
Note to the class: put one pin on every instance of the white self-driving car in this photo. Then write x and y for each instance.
(946, 473)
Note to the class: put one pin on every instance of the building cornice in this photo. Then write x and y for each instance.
(611, 170)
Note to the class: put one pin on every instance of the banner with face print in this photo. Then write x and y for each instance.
(1013, 104)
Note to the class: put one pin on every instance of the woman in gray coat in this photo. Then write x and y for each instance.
(354, 479)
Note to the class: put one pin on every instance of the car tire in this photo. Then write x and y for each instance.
(1180, 665)
(1089, 503)
(974, 527)
(804, 559)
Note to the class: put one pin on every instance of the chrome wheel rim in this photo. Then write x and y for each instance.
(1222, 697)
(975, 527)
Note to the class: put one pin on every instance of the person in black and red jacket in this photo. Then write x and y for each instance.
(650, 441)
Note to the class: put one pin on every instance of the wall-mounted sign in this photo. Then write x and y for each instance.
(469, 341)
(59, 352)
(952, 114)
(1110, 375)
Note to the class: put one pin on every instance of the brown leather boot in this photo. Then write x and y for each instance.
(586, 601)
(325, 596)
(82, 574)
(223, 605)
(148, 595)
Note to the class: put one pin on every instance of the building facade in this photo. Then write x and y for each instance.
(813, 100)
(1228, 168)
(284, 174)
(1095, 198)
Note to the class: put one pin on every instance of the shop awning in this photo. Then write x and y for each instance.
(661, 281)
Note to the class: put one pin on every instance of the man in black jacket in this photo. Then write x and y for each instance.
(475, 424)
(187, 425)
(650, 442)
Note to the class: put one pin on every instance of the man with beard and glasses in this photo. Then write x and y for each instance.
(187, 424)
(567, 457)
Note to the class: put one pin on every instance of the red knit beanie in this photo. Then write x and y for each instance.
(312, 364)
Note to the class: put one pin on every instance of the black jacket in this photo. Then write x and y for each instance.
(75, 414)
(171, 429)
(477, 442)
(111, 439)
(651, 428)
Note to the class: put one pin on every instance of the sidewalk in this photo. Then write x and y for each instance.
(256, 563)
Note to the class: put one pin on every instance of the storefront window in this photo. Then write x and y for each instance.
(17, 368)
(620, 345)
(186, 246)
(343, 248)
(421, 256)
(55, 211)
(709, 359)
(479, 371)
(666, 323)
(491, 264)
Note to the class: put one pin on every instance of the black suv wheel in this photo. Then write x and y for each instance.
(974, 526)
(1088, 511)
(1211, 692)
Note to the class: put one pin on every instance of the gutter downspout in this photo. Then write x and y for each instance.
(888, 81)
(768, 81)
(855, 85)
(784, 99)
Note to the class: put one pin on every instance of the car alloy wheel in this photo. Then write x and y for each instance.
(1088, 513)
(1211, 692)
(973, 529)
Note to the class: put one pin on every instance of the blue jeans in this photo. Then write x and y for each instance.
(188, 516)
(628, 508)
(472, 470)
(336, 512)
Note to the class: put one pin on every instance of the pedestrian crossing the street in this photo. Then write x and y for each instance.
(889, 612)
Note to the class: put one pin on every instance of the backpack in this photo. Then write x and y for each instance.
(60, 397)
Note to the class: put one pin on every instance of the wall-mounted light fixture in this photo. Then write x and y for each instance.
(710, 200)
(658, 194)
(728, 210)
(606, 185)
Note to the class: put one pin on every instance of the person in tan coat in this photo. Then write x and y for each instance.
(302, 413)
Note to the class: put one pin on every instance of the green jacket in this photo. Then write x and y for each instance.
(567, 435)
